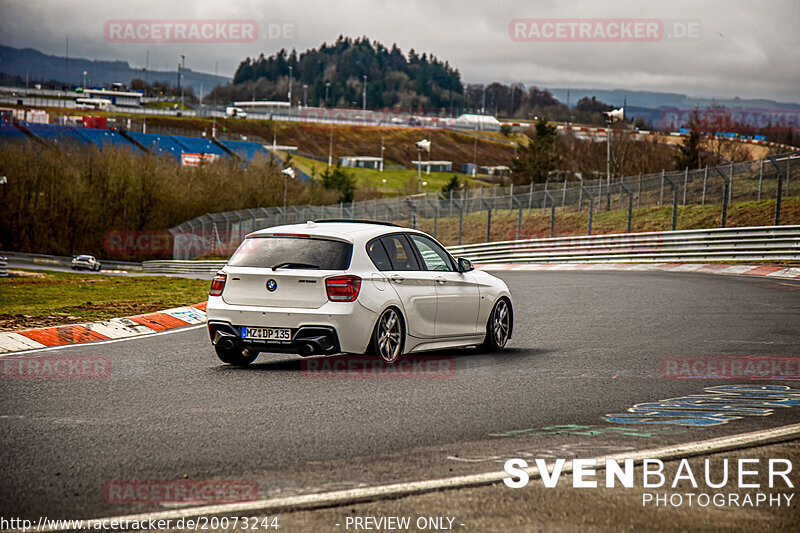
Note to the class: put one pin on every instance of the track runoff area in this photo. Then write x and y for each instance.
(621, 395)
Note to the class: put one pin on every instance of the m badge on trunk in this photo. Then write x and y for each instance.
(272, 285)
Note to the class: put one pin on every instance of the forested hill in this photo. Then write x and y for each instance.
(393, 78)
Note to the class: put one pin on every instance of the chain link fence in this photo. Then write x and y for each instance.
(219, 234)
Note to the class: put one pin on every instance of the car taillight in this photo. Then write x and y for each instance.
(218, 284)
(343, 288)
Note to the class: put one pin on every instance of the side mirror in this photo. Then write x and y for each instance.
(465, 265)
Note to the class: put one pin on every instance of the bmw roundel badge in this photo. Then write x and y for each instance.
(272, 285)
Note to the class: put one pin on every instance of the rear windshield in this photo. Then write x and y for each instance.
(293, 252)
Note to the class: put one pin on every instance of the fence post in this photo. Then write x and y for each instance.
(760, 178)
(519, 216)
(544, 198)
(530, 198)
(661, 200)
(630, 201)
(591, 209)
(685, 183)
(730, 186)
(772, 159)
(788, 173)
(489, 225)
(580, 197)
(724, 196)
(552, 212)
(639, 192)
(563, 196)
(674, 201)
(705, 179)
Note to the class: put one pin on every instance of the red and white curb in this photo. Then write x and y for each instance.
(704, 268)
(113, 271)
(115, 328)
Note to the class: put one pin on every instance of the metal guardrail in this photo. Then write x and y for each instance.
(65, 261)
(182, 267)
(760, 243)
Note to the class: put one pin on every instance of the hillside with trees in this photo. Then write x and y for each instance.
(393, 78)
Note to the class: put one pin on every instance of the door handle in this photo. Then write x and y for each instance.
(441, 280)
(397, 278)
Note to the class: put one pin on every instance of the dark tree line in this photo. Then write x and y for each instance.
(393, 78)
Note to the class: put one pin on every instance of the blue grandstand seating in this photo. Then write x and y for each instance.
(245, 149)
(101, 138)
(158, 144)
(199, 145)
(169, 145)
(8, 132)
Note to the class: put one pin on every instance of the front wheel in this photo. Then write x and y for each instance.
(498, 328)
(236, 357)
(387, 338)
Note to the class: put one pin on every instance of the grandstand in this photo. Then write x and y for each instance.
(155, 143)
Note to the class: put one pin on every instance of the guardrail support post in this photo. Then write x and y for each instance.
(661, 199)
(760, 178)
(724, 196)
(630, 202)
(591, 209)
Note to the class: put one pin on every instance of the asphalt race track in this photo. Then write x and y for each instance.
(586, 345)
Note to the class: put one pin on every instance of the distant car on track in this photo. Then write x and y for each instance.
(337, 286)
(85, 262)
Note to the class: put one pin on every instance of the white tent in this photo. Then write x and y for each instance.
(478, 122)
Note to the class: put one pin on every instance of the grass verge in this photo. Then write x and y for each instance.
(32, 299)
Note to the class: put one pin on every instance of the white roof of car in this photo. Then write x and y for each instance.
(349, 231)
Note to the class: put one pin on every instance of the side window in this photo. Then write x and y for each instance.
(377, 253)
(400, 254)
(434, 257)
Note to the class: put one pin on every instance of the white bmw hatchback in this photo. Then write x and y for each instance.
(338, 286)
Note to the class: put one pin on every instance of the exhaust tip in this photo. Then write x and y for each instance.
(305, 349)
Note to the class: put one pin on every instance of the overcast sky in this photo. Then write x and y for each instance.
(745, 48)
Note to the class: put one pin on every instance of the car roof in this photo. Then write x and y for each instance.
(349, 231)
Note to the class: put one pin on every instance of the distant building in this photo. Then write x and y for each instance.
(262, 106)
(434, 166)
(499, 170)
(116, 97)
(477, 122)
(360, 161)
(469, 168)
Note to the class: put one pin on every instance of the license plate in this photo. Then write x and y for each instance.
(267, 334)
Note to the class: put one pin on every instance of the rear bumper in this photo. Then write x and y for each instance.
(347, 325)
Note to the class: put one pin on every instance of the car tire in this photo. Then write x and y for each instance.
(499, 326)
(388, 336)
(236, 357)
